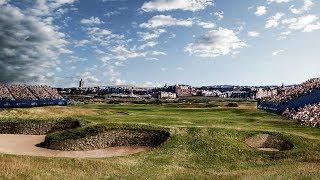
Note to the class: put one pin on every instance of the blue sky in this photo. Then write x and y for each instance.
(157, 42)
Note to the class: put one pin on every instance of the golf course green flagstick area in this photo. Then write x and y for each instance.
(186, 140)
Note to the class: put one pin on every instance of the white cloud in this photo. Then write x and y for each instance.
(89, 79)
(219, 15)
(216, 43)
(113, 13)
(163, 21)
(2, 2)
(91, 21)
(58, 69)
(122, 53)
(168, 5)
(45, 7)
(149, 84)
(284, 35)
(32, 48)
(312, 27)
(113, 47)
(166, 20)
(274, 21)
(75, 59)
(118, 64)
(152, 59)
(163, 69)
(114, 76)
(306, 23)
(261, 10)
(206, 25)
(278, 1)
(81, 43)
(277, 52)
(104, 37)
(253, 34)
(307, 5)
(158, 53)
(148, 44)
(150, 36)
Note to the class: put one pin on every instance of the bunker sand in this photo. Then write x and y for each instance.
(26, 145)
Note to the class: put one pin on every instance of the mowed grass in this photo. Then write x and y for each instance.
(205, 143)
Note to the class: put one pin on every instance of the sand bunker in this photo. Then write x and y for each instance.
(267, 142)
(75, 139)
(26, 145)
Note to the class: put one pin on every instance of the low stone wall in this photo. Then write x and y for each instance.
(34, 127)
(112, 138)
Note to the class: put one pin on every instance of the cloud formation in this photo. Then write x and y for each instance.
(164, 20)
(215, 43)
(306, 23)
(168, 5)
(91, 21)
(261, 10)
(278, 1)
(274, 21)
(47, 7)
(28, 46)
(307, 5)
(253, 34)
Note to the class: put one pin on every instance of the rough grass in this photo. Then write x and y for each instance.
(205, 143)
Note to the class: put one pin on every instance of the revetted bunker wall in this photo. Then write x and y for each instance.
(111, 138)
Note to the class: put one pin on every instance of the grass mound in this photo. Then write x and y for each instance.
(37, 127)
(268, 142)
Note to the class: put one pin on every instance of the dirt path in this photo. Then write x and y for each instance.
(25, 145)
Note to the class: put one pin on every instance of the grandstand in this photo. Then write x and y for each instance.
(293, 98)
(15, 96)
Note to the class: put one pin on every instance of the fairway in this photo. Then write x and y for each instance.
(205, 142)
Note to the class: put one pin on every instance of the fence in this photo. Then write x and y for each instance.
(32, 103)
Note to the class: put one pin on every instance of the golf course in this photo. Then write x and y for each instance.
(199, 140)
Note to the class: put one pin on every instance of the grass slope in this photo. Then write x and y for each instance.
(205, 143)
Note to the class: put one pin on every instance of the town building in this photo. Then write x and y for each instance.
(165, 95)
(266, 92)
(81, 83)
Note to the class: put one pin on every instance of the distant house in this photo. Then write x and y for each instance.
(183, 90)
(214, 93)
(239, 94)
(165, 95)
(266, 92)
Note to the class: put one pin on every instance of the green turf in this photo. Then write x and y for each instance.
(205, 143)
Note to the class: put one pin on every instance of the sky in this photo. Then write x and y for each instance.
(156, 42)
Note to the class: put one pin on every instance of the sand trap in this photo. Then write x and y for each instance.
(26, 145)
(268, 149)
(267, 142)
